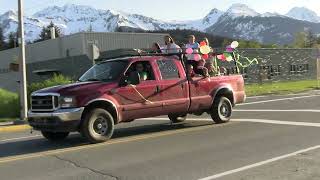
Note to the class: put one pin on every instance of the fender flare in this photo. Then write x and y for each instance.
(117, 118)
(227, 88)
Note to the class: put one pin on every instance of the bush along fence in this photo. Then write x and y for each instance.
(9, 102)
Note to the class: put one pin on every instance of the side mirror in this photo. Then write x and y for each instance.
(123, 81)
(134, 78)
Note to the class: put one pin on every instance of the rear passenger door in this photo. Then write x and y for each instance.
(173, 85)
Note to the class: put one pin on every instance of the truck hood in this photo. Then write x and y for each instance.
(79, 88)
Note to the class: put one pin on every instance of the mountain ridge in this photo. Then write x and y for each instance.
(72, 18)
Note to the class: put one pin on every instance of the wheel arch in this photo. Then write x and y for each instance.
(104, 104)
(225, 91)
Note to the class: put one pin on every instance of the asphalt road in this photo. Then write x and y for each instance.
(270, 137)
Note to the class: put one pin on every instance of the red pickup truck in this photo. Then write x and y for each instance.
(113, 92)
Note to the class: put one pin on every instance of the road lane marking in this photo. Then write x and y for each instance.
(293, 123)
(252, 97)
(111, 142)
(19, 138)
(275, 100)
(277, 110)
(266, 121)
(216, 176)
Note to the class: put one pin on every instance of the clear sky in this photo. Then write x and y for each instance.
(168, 9)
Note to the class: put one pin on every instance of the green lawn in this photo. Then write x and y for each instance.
(281, 87)
(7, 119)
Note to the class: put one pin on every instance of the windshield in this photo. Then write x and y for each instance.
(107, 71)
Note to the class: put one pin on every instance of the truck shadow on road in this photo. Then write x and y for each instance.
(39, 144)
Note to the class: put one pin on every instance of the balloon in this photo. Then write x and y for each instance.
(221, 57)
(234, 44)
(228, 57)
(229, 49)
(189, 51)
(203, 43)
(205, 49)
(197, 57)
(205, 56)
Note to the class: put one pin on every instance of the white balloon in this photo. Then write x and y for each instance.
(234, 44)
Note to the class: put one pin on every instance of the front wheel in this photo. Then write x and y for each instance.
(55, 136)
(221, 110)
(177, 118)
(97, 126)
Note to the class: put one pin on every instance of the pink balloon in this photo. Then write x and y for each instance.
(221, 57)
(189, 51)
(197, 57)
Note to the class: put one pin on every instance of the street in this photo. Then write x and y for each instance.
(269, 137)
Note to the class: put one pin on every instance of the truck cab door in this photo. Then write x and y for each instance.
(174, 86)
(141, 100)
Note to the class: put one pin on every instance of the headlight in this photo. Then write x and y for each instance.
(67, 102)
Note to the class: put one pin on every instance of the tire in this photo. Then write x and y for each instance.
(221, 110)
(177, 118)
(55, 136)
(97, 126)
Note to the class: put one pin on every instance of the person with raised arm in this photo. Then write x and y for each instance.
(170, 46)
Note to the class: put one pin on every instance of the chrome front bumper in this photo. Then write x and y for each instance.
(61, 114)
(62, 120)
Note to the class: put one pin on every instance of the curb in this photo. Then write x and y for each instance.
(14, 128)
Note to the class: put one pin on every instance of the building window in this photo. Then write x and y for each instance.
(299, 68)
(271, 70)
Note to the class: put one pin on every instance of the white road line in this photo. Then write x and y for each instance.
(167, 119)
(19, 138)
(277, 110)
(266, 121)
(274, 100)
(293, 123)
(216, 176)
(252, 97)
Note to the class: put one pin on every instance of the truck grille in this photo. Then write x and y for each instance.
(44, 102)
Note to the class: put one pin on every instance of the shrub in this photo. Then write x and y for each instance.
(54, 81)
(9, 104)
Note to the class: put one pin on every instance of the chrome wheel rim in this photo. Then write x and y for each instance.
(224, 110)
(100, 125)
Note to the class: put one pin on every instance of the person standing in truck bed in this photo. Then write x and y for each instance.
(170, 46)
(192, 59)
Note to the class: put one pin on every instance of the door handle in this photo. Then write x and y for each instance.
(158, 89)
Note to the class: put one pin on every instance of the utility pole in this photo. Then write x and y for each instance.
(22, 66)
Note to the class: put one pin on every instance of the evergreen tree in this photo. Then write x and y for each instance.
(13, 40)
(300, 40)
(311, 39)
(2, 42)
(46, 33)
(90, 29)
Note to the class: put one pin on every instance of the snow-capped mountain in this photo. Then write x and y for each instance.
(241, 10)
(33, 26)
(271, 30)
(239, 21)
(75, 18)
(304, 14)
